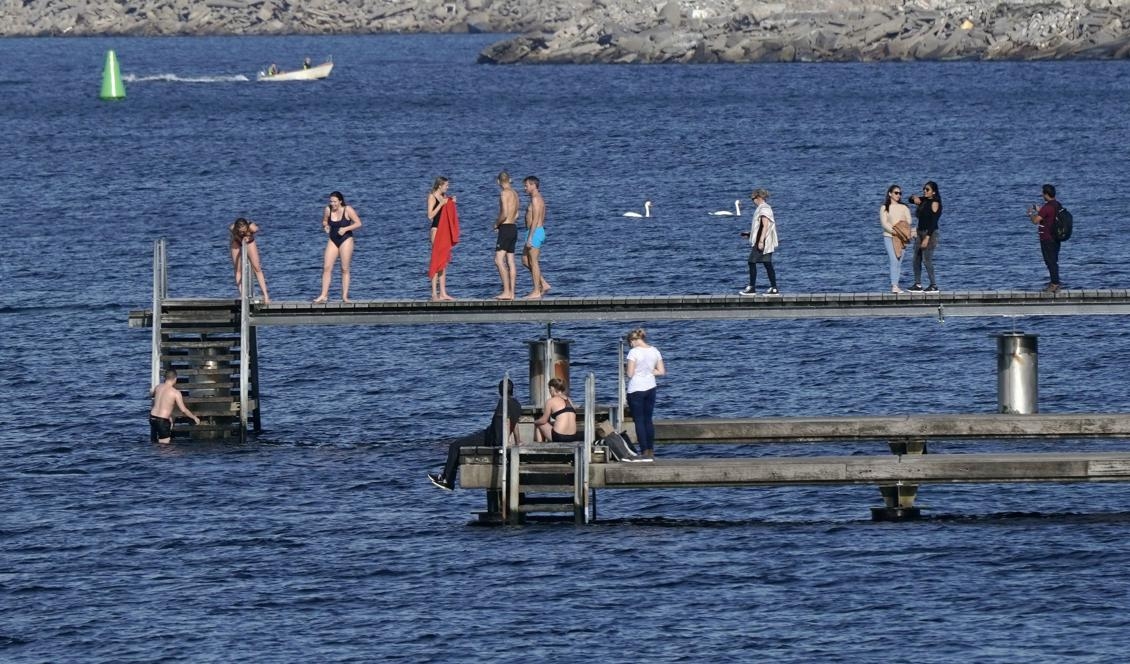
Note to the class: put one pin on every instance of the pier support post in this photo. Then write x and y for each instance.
(1017, 386)
(898, 498)
(160, 293)
(244, 340)
(549, 358)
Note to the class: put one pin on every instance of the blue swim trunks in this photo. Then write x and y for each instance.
(537, 238)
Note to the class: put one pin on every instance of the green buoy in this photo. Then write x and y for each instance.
(112, 87)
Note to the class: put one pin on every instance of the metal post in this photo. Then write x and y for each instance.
(514, 497)
(1017, 386)
(160, 290)
(256, 420)
(244, 338)
(622, 394)
(504, 443)
(590, 433)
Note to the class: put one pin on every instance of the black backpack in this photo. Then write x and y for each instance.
(1062, 224)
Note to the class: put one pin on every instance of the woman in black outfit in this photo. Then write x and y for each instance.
(929, 211)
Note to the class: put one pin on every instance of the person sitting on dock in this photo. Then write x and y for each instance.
(558, 421)
(166, 396)
(491, 437)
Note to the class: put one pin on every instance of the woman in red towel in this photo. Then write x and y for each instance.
(444, 236)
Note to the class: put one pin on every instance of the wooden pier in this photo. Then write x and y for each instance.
(212, 343)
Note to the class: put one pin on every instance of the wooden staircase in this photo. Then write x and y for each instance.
(201, 340)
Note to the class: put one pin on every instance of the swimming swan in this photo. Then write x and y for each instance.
(646, 211)
(726, 213)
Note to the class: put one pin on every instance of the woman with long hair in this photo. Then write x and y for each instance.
(338, 222)
(245, 229)
(644, 363)
(437, 199)
(894, 217)
(929, 210)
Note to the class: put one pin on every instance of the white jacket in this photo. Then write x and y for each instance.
(770, 239)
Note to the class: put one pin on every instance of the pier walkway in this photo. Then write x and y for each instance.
(678, 307)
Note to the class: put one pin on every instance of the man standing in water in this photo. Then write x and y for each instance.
(507, 228)
(535, 236)
(166, 396)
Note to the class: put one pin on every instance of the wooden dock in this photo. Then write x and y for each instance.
(684, 307)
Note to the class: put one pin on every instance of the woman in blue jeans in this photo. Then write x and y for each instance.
(644, 364)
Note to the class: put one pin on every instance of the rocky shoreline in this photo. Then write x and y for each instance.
(632, 31)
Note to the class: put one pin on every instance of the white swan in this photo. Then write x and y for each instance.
(726, 213)
(646, 211)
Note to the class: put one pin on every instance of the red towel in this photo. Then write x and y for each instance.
(447, 236)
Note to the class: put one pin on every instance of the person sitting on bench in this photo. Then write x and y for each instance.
(491, 436)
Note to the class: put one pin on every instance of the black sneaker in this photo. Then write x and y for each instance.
(438, 481)
(916, 288)
(748, 290)
(932, 288)
(772, 291)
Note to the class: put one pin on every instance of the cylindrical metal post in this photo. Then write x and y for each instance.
(548, 359)
(1017, 370)
(160, 292)
(244, 339)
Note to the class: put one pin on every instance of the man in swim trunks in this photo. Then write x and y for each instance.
(535, 236)
(166, 396)
(507, 227)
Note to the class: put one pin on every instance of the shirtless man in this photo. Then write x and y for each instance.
(165, 397)
(535, 236)
(507, 228)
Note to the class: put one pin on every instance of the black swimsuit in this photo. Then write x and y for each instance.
(558, 437)
(435, 219)
(336, 236)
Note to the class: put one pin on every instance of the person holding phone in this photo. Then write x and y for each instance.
(929, 210)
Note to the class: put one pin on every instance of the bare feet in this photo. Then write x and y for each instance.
(320, 300)
(545, 287)
(345, 299)
(445, 297)
(536, 295)
(504, 296)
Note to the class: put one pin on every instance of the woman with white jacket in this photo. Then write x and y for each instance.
(762, 241)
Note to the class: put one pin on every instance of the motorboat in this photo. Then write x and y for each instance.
(309, 74)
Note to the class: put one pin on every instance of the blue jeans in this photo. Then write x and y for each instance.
(895, 262)
(642, 405)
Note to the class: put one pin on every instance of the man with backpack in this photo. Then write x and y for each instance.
(1051, 233)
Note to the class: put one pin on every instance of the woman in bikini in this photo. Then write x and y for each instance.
(241, 230)
(558, 421)
(338, 221)
(437, 198)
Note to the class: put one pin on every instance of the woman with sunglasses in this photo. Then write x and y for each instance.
(929, 211)
(894, 217)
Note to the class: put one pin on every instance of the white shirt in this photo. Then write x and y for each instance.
(769, 241)
(646, 360)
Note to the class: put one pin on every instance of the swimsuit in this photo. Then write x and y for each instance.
(537, 237)
(558, 437)
(160, 428)
(435, 219)
(237, 240)
(336, 236)
(507, 238)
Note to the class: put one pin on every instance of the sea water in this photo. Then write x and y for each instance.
(321, 540)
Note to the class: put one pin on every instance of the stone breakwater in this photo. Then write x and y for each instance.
(633, 31)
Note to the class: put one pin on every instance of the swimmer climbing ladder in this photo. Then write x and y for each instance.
(211, 348)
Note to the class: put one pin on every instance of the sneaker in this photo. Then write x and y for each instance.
(896, 289)
(636, 459)
(772, 291)
(916, 288)
(438, 481)
(748, 290)
(932, 288)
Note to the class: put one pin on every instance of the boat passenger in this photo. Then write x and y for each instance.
(272, 70)
(306, 63)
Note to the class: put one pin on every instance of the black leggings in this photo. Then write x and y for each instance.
(756, 257)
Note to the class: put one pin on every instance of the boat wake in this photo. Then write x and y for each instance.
(173, 78)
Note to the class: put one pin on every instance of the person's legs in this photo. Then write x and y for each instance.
(752, 260)
(893, 261)
(257, 267)
(238, 272)
(1050, 250)
(649, 419)
(769, 271)
(346, 259)
(636, 405)
(917, 264)
(451, 467)
(503, 275)
(535, 273)
(928, 260)
(512, 275)
(328, 260)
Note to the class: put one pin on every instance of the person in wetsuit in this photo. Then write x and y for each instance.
(558, 421)
(245, 229)
(338, 221)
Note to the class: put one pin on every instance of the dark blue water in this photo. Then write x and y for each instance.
(322, 541)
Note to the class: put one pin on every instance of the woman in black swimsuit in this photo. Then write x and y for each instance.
(245, 229)
(558, 421)
(437, 198)
(338, 221)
